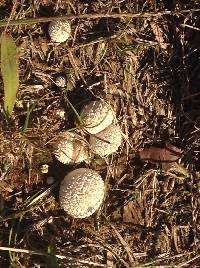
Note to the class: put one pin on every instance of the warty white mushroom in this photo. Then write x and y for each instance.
(70, 148)
(60, 81)
(96, 116)
(59, 31)
(81, 192)
(107, 141)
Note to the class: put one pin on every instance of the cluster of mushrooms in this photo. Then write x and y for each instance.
(82, 190)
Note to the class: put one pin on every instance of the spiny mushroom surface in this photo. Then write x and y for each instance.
(69, 148)
(59, 31)
(96, 116)
(81, 192)
(107, 141)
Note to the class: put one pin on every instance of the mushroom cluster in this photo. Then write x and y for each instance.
(97, 120)
(82, 190)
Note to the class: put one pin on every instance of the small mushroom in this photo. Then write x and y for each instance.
(96, 116)
(81, 192)
(44, 169)
(107, 141)
(70, 148)
(60, 81)
(59, 31)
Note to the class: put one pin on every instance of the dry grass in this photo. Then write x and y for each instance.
(148, 69)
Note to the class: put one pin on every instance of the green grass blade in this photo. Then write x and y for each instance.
(51, 260)
(9, 71)
(28, 114)
(30, 110)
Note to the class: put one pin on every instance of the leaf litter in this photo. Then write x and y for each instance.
(152, 93)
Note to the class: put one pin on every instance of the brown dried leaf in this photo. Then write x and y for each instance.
(156, 154)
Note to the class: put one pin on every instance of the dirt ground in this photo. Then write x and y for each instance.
(148, 68)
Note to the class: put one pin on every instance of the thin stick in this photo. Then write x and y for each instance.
(187, 262)
(190, 26)
(16, 215)
(3, 23)
(26, 251)
(123, 242)
(11, 14)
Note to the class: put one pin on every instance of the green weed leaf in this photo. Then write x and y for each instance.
(51, 260)
(9, 71)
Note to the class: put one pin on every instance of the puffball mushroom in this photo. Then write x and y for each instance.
(60, 81)
(59, 31)
(81, 192)
(107, 141)
(96, 116)
(69, 148)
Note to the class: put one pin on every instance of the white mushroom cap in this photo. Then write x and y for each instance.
(107, 141)
(69, 148)
(60, 81)
(81, 192)
(59, 31)
(96, 116)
